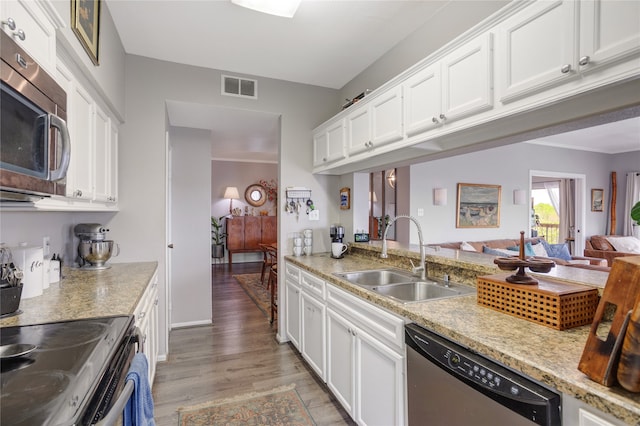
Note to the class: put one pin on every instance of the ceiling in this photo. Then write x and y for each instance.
(306, 49)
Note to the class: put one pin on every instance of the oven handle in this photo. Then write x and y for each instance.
(115, 412)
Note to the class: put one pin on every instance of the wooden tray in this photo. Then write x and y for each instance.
(553, 304)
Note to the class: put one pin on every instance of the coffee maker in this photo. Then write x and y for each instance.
(94, 250)
(337, 234)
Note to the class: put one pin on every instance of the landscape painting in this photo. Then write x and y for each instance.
(478, 206)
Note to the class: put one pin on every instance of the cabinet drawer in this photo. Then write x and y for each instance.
(383, 325)
(312, 285)
(292, 273)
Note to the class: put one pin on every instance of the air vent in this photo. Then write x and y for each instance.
(242, 87)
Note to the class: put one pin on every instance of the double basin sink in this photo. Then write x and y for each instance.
(404, 287)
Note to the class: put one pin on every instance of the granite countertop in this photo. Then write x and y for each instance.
(87, 294)
(547, 355)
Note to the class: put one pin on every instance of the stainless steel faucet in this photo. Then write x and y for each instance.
(420, 268)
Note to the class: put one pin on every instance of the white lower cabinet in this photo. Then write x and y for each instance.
(146, 319)
(354, 346)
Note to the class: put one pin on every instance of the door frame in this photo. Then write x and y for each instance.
(580, 203)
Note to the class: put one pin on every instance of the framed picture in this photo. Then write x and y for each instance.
(597, 200)
(345, 199)
(85, 23)
(478, 206)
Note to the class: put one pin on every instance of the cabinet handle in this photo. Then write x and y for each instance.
(142, 314)
(435, 120)
(324, 159)
(565, 69)
(442, 117)
(77, 193)
(584, 60)
(10, 23)
(20, 34)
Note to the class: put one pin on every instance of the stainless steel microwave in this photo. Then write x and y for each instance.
(34, 140)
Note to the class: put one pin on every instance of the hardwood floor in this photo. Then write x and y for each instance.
(236, 355)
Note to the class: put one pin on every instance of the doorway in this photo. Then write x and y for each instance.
(382, 203)
(563, 197)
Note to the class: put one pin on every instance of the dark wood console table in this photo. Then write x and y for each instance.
(246, 233)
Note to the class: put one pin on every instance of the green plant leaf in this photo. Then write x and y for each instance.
(635, 212)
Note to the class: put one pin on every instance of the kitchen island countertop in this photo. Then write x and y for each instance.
(87, 294)
(545, 354)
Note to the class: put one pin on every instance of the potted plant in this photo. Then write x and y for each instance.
(217, 238)
(635, 215)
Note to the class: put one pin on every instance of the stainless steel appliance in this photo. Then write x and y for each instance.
(336, 232)
(34, 140)
(94, 250)
(450, 385)
(65, 373)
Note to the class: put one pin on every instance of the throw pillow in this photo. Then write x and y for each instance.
(498, 252)
(539, 250)
(528, 249)
(466, 246)
(625, 244)
(561, 251)
(599, 242)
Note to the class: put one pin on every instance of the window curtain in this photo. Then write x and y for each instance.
(552, 191)
(567, 209)
(631, 198)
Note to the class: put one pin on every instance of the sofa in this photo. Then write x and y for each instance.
(500, 247)
(600, 246)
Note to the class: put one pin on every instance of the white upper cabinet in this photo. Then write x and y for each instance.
(459, 85)
(32, 28)
(378, 122)
(328, 144)
(552, 42)
(609, 31)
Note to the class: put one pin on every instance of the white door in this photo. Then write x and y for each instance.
(165, 325)
(313, 333)
(341, 359)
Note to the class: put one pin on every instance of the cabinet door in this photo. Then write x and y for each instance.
(386, 117)
(422, 100)
(320, 148)
(39, 32)
(269, 229)
(80, 122)
(358, 127)
(102, 155)
(313, 333)
(252, 232)
(335, 141)
(113, 166)
(467, 79)
(538, 48)
(379, 395)
(235, 233)
(292, 306)
(341, 359)
(609, 31)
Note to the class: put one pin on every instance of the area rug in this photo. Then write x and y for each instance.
(279, 406)
(251, 284)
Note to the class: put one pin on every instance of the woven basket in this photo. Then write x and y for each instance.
(553, 304)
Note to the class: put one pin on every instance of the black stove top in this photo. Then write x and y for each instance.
(51, 384)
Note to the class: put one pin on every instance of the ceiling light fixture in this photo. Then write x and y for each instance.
(284, 8)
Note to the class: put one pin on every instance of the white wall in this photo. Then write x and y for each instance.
(191, 226)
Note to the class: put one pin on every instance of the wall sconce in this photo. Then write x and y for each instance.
(440, 196)
(231, 193)
(519, 197)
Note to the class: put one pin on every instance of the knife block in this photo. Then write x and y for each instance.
(601, 353)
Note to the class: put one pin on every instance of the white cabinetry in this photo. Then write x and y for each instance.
(312, 314)
(459, 85)
(292, 304)
(552, 42)
(365, 359)
(31, 27)
(92, 174)
(146, 319)
(328, 144)
(378, 122)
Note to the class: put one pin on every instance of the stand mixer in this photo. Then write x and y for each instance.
(94, 250)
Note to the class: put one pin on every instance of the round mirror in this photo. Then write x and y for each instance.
(255, 195)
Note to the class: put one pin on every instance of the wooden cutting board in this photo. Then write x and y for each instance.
(601, 353)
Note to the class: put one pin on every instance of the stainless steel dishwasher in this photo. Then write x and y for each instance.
(450, 385)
